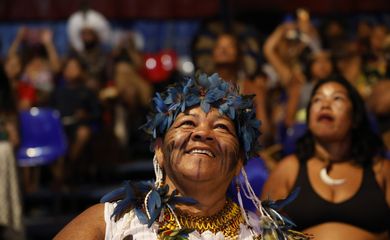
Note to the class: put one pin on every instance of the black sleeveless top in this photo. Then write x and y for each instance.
(367, 209)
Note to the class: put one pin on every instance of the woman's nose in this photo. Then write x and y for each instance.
(325, 103)
(202, 133)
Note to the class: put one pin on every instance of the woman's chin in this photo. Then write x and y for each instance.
(199, 176)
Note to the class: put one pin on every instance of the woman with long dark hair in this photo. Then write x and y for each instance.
(344, 182)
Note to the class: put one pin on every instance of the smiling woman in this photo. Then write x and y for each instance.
(203, 132)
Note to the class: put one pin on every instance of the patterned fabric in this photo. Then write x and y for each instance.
(129, 225)
(10, 208)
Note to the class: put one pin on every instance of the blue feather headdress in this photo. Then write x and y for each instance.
(207, 92)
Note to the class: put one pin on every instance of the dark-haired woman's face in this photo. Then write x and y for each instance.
(225, 50)
(330, 113)
(72, 70)
(322, 66)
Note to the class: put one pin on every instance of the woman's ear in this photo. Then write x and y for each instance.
(158, 151)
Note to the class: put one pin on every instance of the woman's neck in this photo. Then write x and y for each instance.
(333, 152)
(228, 72)
(209, 200)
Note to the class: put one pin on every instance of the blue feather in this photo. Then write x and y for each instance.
(113, 195)
(121, 207)
(205, 106)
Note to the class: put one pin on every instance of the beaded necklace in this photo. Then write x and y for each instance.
(227, 221)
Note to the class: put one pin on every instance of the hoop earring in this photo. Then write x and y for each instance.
(158, 172)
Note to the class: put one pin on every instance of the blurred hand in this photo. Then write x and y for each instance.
(46, 36)
(21, 33)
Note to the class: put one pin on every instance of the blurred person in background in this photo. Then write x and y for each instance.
(25, 93)
(10, 202)
(127, 95)
(79, 109)
(349, 63)
(379, 104)
(88, 31)
(126, 101)
(375, 60)
(228, 63)
(316, 67)
(37, 52)
(344, 180)
(284, 49)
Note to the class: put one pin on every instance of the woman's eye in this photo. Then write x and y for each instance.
(222, 126)
(188, 123)
(338, 98)
(314, 100)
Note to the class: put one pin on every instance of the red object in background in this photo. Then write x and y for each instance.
(26, 92)
(158, 67)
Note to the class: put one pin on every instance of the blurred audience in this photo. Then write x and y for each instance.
(35, 82)
(87, 31)
(79, 109)
(228, 63)
(10, 203)
(103, 96)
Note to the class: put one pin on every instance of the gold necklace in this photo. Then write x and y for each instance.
(227, 221)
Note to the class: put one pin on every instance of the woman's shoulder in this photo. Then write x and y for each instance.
(289, 161)
(282, 178)
(89, 224)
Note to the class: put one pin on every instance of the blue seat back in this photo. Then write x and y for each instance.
(42, 137)
(288, 137)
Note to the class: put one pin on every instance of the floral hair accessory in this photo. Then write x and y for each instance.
(206, 91)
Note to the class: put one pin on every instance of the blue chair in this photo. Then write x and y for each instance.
(288, 137)
(257, 175)
(42, 137)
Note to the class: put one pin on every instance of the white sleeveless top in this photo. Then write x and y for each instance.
(130, 225)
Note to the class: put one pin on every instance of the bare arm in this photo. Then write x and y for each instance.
(88, 225)
(293, 91)
(273, 58)
(47, 41)
(282, 178)
(13, 50)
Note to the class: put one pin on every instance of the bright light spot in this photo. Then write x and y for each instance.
(151, 63)
(34, 111)
(33, 152)
(188, 67)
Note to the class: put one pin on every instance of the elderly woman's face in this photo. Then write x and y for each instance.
(330, 112)
(201, 147)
